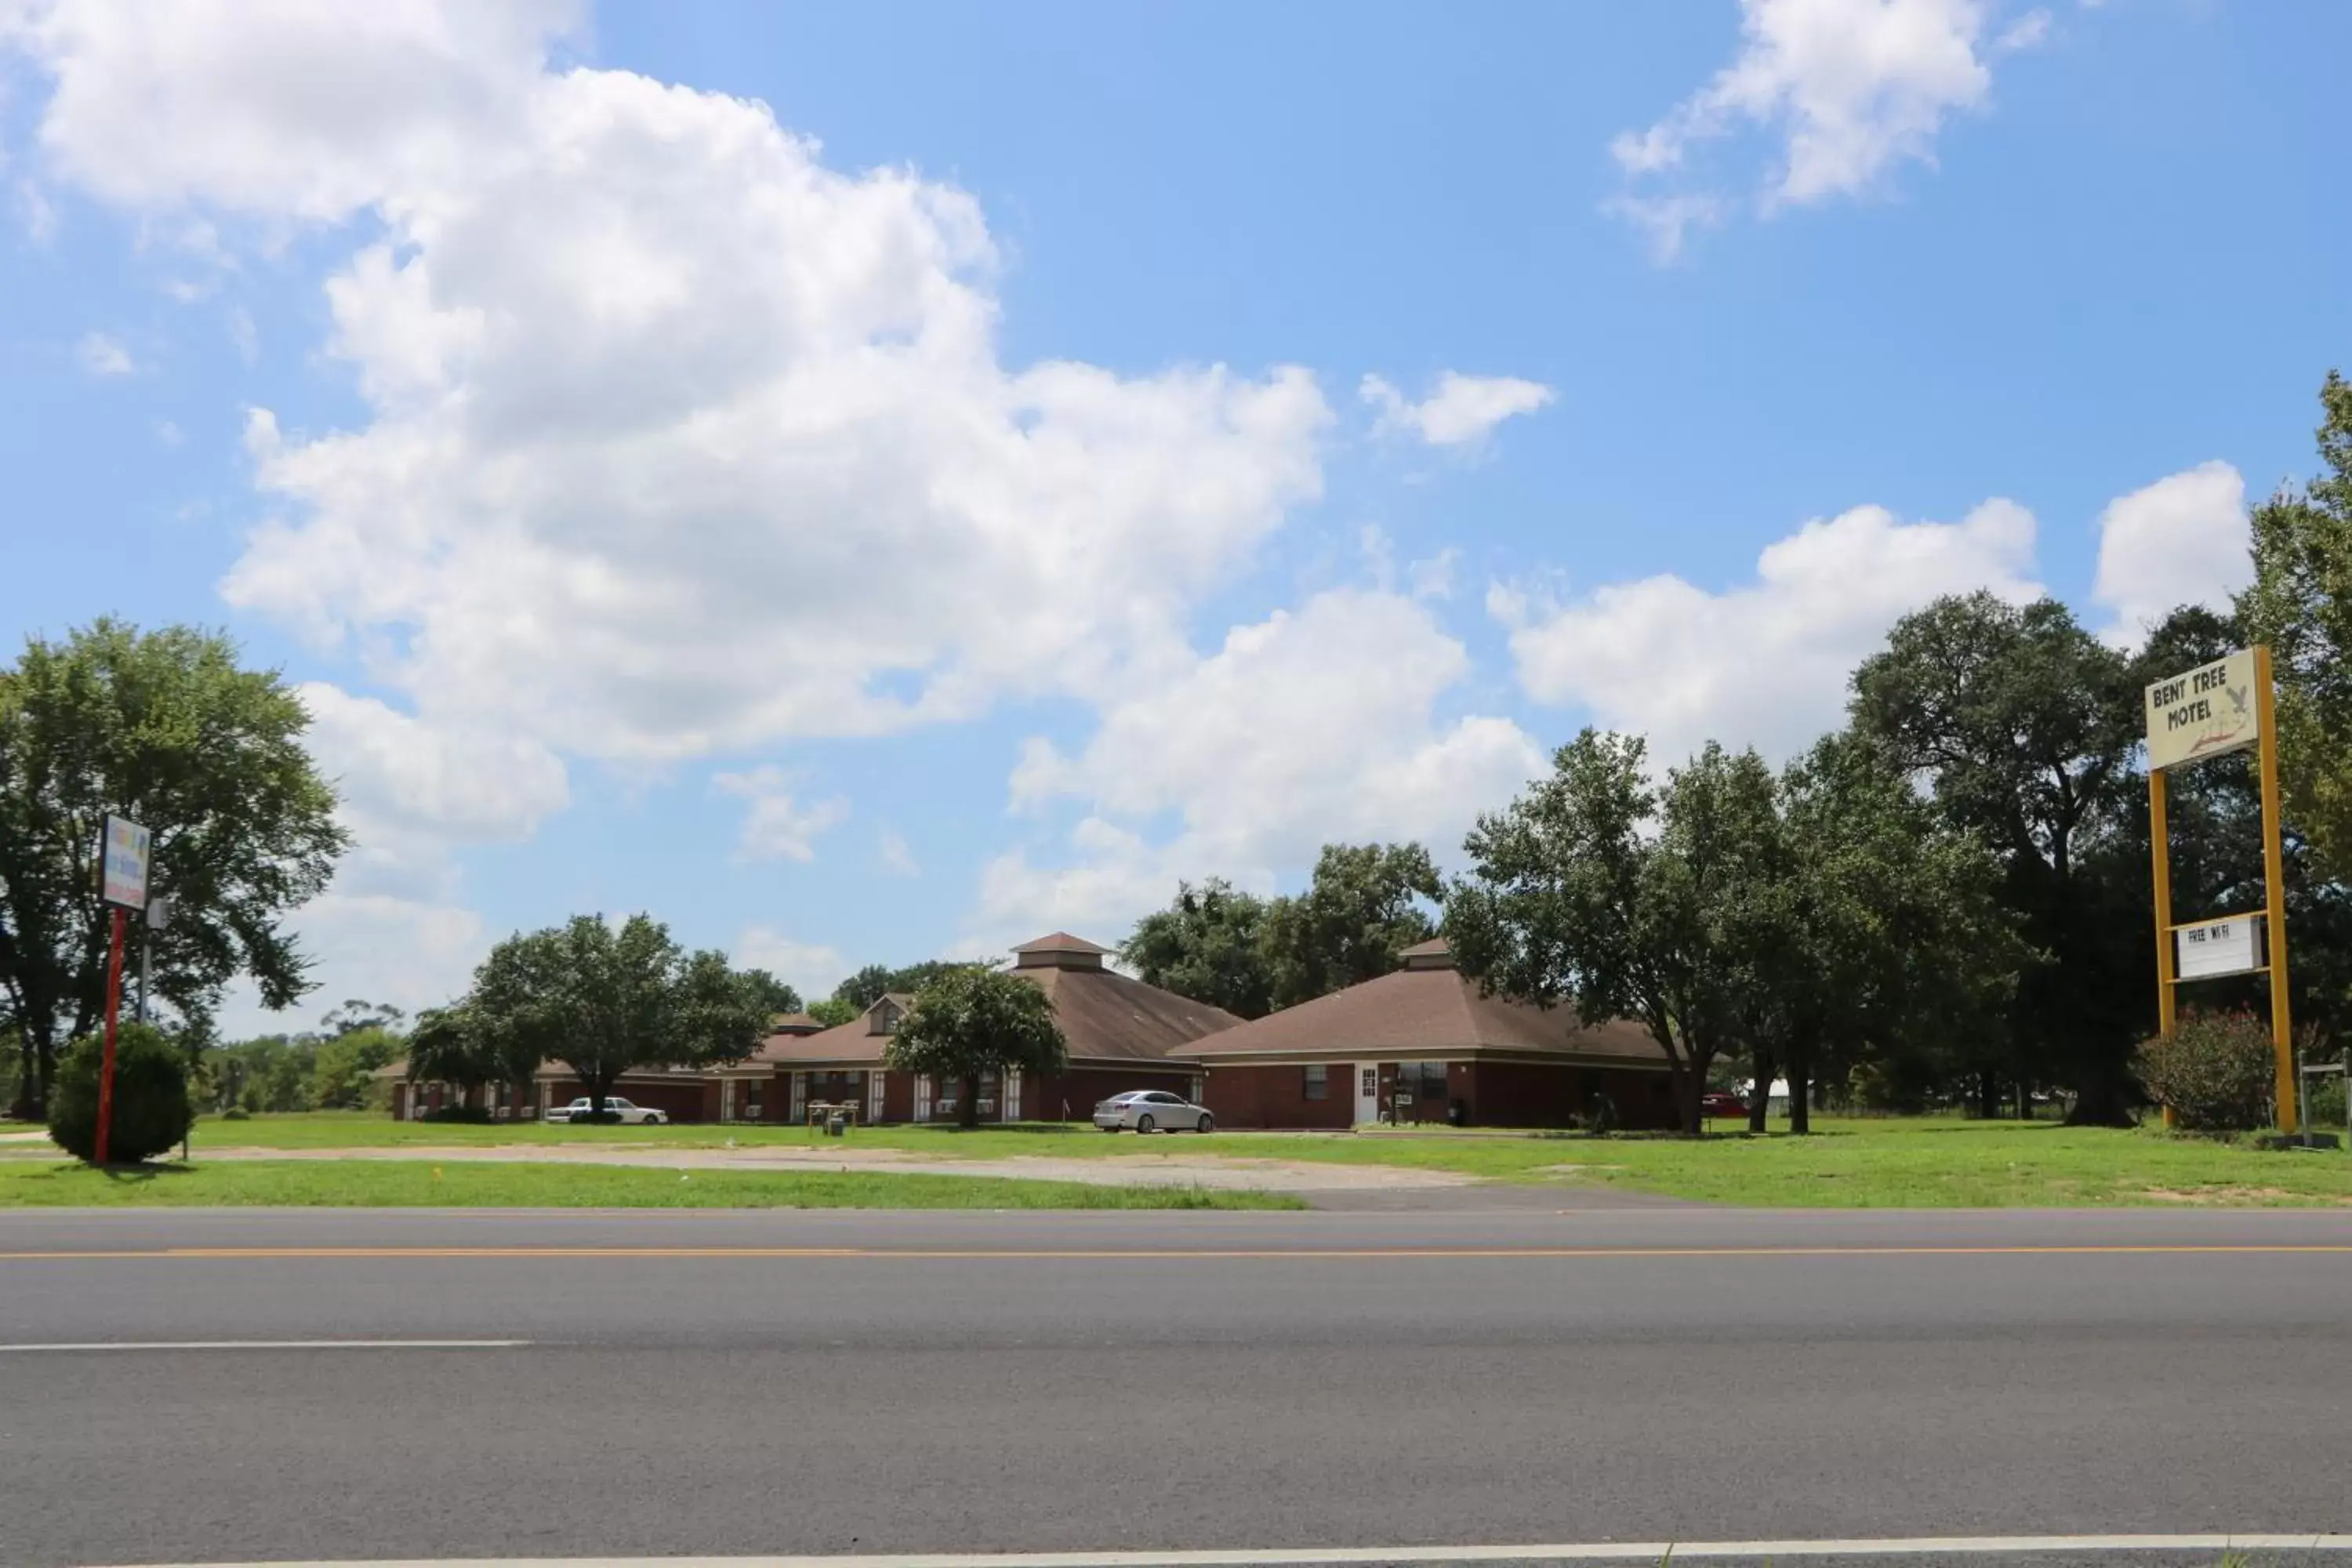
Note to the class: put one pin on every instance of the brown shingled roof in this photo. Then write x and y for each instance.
(1435, 1011)
(1104, 1015)
(1062, 942)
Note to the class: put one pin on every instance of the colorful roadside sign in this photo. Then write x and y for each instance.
(122, 874)
(2204, 711)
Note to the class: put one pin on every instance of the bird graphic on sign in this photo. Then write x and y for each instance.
(2237, 695)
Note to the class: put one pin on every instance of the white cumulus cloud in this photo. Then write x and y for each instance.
(1848, 88)
(102, 353)
(1763, 663)
(776, 825)
(414, 952)
(413, 790)
(1312, 726)
(677, 440)
(2181, 540)
(1460, 410)
(810, 968)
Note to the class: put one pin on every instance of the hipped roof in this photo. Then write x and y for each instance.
(1428, 1010)
(1105, 1016)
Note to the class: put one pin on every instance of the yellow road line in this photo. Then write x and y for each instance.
(1168, 1254)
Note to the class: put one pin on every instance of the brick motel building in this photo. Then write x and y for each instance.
(1422, 1045)
(1121, 1034)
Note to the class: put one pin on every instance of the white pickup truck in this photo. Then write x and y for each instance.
(630, 1113)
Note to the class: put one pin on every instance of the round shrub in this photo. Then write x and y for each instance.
(236, 1113)
(2213, 1071)
(151, 1096)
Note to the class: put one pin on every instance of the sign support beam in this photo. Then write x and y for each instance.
(2159, 837)
(2275, 892)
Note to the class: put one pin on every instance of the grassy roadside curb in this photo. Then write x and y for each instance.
(421, 1184)
(1917, 1162)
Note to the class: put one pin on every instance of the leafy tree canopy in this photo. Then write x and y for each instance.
(775, 994)
(358, 1013)
(2025, 727)
(875, 981)
(1368, 903)
(2301, 604)
(970, 1021)
(1595, 890)
(1210, 944)
(605, 1000)
(166, 728)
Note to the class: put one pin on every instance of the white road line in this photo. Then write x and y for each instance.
(267, 1345)
(1308, 1557)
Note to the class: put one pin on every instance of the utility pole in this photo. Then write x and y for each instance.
(159, 915)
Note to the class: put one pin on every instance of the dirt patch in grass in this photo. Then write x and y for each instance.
(2233, 1196)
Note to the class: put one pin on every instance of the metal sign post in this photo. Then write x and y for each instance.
(123, 848)
(2222, 707)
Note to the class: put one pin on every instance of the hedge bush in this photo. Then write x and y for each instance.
(2213, 1072)
(151, 1097)
(472, 1115)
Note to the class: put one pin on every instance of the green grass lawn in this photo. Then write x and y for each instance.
(420, 1183)
(1859, 1163)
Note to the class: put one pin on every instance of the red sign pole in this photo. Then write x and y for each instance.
(113, 1010)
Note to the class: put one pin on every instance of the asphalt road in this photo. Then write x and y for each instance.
(722, 1384)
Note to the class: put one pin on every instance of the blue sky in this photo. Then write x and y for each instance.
(889, 481)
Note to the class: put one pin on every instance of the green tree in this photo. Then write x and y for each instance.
(2301, 604)
(1365, 905)
(450, 1046)
(357, 1014)
(340, 1067)
(1210, 944)
(270, 1072)
(12, 1068)
(1864, 932)
(1573, 897)
(971, 1021)
(776, 995)
(150, 1112)
(875, 981)
(832, 1012)
(2025, 727)
(603, 1001)
(162, 726)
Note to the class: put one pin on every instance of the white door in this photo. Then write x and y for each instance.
(922, 1097)
(1367, 1091)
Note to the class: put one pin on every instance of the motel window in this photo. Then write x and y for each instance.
(1425, 1081)
(832, 1087)
(1319, 1083)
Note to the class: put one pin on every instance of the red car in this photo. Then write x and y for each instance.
(1720, 1103)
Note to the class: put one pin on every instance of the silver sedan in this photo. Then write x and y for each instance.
(1152, 1111)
